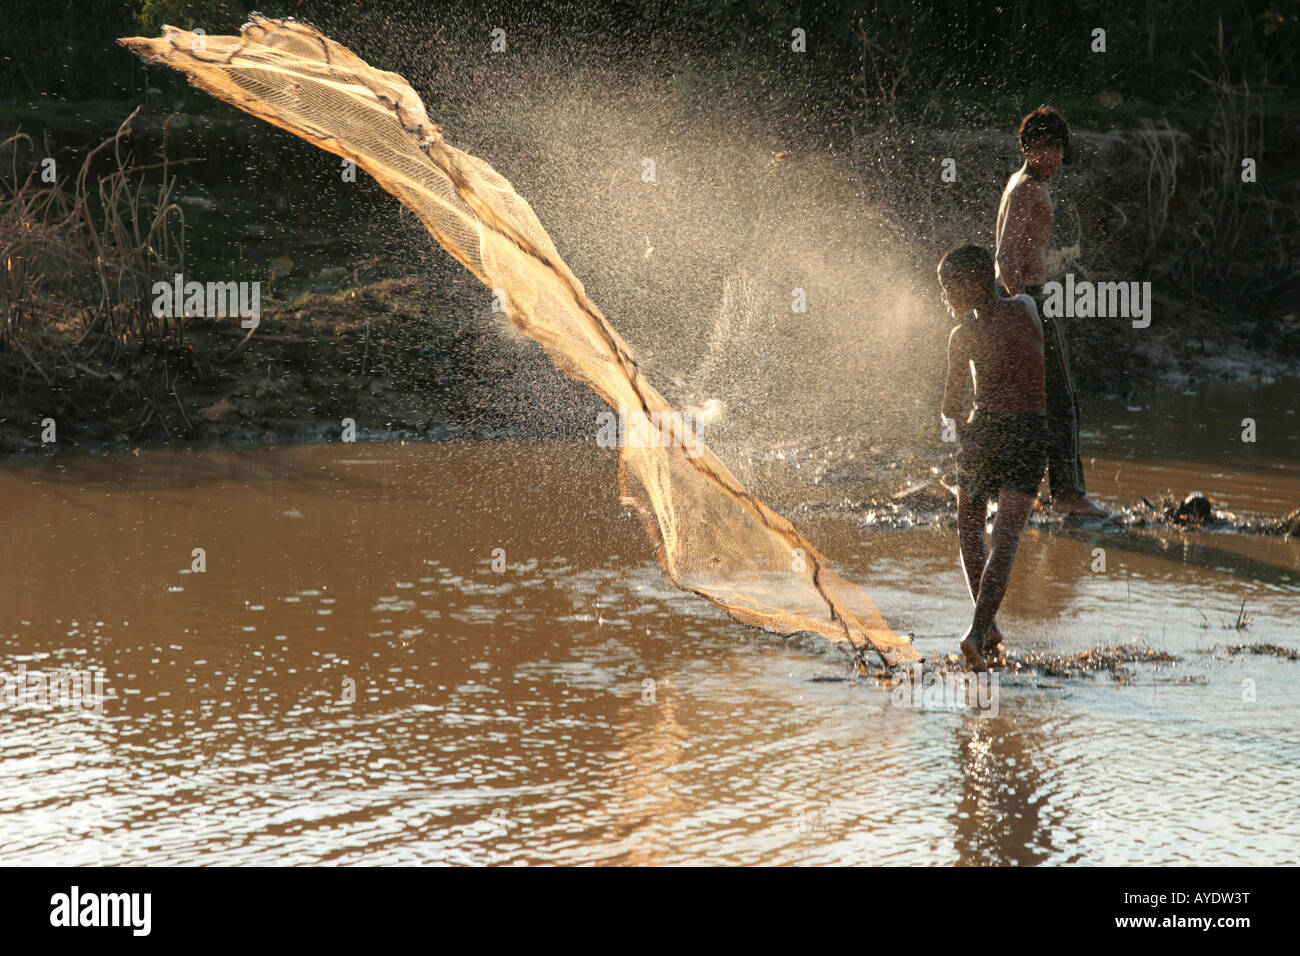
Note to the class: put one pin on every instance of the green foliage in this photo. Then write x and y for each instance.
(214, 16)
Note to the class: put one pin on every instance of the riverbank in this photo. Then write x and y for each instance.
(398, 356)
(364, 331)
(373, 357)
(394, 360)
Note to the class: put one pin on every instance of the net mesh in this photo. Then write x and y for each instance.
(712, 536)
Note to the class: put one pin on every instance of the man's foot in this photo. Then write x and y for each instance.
(1077, 503)
(970, 649)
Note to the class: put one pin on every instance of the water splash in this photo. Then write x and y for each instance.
(712, 536)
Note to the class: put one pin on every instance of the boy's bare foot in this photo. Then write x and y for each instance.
(992, 641)
(1076, 503)
(970, 648)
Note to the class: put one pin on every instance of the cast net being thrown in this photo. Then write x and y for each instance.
(712, 536)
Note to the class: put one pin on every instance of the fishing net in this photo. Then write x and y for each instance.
(713, 537)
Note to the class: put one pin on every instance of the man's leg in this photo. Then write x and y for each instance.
(1064, 467)
(1013, 512)
(1064, 462)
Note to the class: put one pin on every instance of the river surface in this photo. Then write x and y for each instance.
(466, 653)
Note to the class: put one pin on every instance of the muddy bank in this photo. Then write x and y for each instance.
(260, 204)
(338, 356)
(394, 357)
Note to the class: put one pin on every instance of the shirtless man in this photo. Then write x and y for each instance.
(999, 344)
(1024, 228)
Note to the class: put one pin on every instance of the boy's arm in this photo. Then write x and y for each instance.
(955, 387)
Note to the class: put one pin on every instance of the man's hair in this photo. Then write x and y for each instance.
(969, 263)
(1046, 125)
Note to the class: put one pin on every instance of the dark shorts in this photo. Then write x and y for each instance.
(1002, 451)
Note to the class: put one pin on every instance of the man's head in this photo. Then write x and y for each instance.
(967, 278)
(1045, 141)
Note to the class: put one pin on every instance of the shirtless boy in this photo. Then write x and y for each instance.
(999, 343)
(1024, 228)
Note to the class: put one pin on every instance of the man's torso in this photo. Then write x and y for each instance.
(1036, 229)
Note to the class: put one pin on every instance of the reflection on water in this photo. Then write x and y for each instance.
(351, 680)
(1202, 424)
(1001, 816)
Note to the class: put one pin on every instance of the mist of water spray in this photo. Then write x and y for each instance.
(764, 271)
(712, 536)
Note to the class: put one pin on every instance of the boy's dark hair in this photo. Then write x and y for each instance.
(1046, 125)
(970, 263)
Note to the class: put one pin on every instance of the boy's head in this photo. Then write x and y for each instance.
(1045, 141)
(967, 277)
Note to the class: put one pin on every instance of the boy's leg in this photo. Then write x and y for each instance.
(1013, 512)
(972, 513)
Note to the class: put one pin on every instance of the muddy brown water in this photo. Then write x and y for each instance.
(508, 716)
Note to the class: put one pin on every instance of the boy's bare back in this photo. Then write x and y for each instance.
(1005, 346)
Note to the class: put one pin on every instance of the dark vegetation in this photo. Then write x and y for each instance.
(1185, 91)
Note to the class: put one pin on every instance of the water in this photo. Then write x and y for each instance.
(505, 717)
